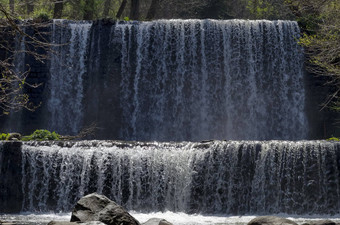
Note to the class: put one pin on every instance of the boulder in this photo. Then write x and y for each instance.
(320, 222)
(6, 223)
(14, 137)
(157, 221)
(95, 207)
(75, 223)
(271, 220)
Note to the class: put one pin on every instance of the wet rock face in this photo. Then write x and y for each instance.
(75, 223)
(321, 222)
(10, 177)
(271, 220)
(157, 221)
(94, 207)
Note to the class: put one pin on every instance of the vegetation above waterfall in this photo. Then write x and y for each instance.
(150, 9)
(38, 135)
(42, 135)
(321, 23)
(46, 135)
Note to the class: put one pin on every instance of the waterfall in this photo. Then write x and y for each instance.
(210, 79)
(173, 80)
(67, 69)
(229, 177)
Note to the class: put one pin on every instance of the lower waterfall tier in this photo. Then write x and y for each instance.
(228, 177)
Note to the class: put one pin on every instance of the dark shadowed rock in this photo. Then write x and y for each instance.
(95, 207)
(271, 220)
(11, 195)
(320, 222)
(157, 221)
(6, 223)
(75, 223)
(14, 136)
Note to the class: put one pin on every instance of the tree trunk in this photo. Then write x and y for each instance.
(256, 4)
(11, 6)
(107, 6)
(134, 10)
(76, 11)
(89, 10)
(121, 9)
(58, 9)
(29, 7)
(155, 4)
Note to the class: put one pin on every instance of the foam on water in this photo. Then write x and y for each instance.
(175, 218)
(225, 177)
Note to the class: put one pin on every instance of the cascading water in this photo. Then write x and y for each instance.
(67, 68)
(208, 79)
(176, 80)
(229, 177)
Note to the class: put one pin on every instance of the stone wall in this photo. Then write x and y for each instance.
(39, 74)
(102, 81)
(10, 177)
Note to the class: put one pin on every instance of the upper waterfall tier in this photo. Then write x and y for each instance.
(208, 79)
(176, 80)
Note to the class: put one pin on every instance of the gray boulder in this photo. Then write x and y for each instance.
(157, 221)
(95, 207)
(75, 223)
(271, 220)
(320, 222)
(6, 223)
(14, 136)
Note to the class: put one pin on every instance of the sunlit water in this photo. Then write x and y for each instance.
(175, 80)
(217, 177)
(175, 218)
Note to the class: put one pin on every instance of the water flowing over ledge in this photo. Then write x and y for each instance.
(174, 80)
(217, 177)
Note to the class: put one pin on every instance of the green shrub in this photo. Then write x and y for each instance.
(333, 139)
(42, 135)
(4, 136)
(42, 16)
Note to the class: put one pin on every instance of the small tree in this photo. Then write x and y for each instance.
(12, 82)
(320, 21)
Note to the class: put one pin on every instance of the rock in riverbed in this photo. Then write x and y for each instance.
(75, 223)
(321, 222)
(271, 220)
(95, 207)
(157, 221)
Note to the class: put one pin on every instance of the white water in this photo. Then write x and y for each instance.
(234, 177)
(175, 218)
(209, 79)
(67, 68)
(177, 80)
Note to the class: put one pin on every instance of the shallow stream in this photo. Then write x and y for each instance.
(175, 218)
